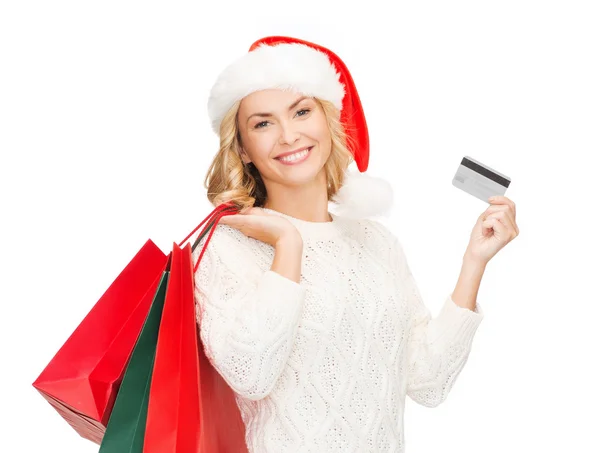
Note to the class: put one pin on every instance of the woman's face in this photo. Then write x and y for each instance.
(273, 123)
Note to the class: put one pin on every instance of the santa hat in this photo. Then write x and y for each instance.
(307, 68)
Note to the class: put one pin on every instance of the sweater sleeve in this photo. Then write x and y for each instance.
(247, 318)
(437, 347)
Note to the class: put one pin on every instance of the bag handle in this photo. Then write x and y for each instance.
(222, 210)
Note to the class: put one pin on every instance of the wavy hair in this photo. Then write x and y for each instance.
(228, 179)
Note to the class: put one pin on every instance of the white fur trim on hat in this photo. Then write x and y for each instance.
(363, 196)
(295, 67)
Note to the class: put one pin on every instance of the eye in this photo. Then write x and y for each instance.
(262, 124)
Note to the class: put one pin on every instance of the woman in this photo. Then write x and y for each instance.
(313, 318)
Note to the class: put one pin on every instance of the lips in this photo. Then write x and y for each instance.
(298, 161)
(294, 152)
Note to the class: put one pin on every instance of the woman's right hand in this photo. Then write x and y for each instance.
(254, 222)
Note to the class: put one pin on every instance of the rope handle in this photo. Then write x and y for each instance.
(222, 210)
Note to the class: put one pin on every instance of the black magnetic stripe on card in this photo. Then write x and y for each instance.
(485, 172)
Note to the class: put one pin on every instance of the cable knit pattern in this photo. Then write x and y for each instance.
(324, 365)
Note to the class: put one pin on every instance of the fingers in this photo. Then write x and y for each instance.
(240, 218)
(502, 200)
(246, 221)
(253, 210)
(503, 219)
(504, 222)
(493, 223)
(229, 219)
(507, 215)
(256, 211)
(226, 218)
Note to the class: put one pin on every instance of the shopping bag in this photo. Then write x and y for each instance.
(82, 379)
(127, 423)
(190, 408)
(173, 422)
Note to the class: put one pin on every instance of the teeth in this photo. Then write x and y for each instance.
(294, 157)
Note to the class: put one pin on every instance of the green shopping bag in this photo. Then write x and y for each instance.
(127, 424)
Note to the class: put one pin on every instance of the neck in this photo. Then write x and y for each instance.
(308, 202)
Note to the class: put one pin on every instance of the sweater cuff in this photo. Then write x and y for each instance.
(455, 323)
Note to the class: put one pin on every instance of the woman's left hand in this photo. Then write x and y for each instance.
(495, 228)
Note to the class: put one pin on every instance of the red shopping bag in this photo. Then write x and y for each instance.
(82, 379)
(191, 408)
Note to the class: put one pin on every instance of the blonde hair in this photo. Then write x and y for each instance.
(228, 179)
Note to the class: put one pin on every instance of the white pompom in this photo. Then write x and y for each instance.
(363, 196)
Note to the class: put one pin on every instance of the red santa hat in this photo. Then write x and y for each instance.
(306, 68)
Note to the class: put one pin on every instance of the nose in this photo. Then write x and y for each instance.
(289, 133)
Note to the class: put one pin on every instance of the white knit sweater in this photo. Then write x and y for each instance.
(324, 365)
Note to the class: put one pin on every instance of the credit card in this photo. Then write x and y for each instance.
(479, 180)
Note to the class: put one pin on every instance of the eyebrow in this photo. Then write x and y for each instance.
(291, 107)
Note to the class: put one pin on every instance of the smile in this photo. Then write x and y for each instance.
(296, 158)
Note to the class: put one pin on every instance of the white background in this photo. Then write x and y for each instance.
(105, 141)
